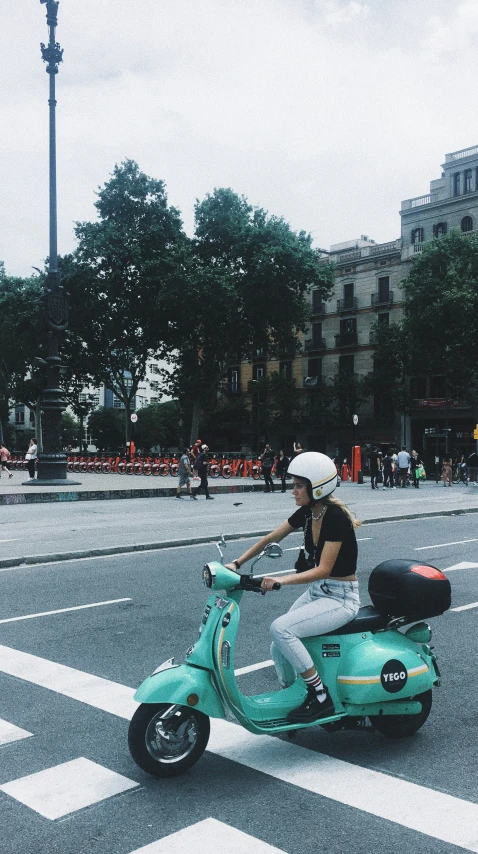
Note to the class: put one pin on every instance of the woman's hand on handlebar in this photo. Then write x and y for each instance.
(269, 584)
(231, 566)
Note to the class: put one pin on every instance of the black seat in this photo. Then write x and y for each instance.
(368, 619)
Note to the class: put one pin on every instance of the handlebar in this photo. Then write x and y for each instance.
(248, 582)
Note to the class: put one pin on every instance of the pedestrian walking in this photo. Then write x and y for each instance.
(415, 462)
(375, 466)
(184, 473)
(201, 466)
(345, 470)
(267, 458)
(387, 466)
(4, 460)
(282, 464)
(31, 456)
(446, 472)
(403, 460)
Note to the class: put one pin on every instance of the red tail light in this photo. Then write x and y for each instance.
(429, 572)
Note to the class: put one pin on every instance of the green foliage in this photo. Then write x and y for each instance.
(120, 280)
(70, 428)
(441, 311)
(21, 340)
(106, 427)
(223, 426)
(247, 277)
(158, 424)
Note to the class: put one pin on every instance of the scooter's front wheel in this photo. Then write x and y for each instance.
(165, 740)
(401, 726)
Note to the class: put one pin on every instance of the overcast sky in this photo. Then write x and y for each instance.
(327, 112)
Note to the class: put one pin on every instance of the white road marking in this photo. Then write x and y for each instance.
(67, 788)
(463, 565)
(9, 732)
(209, 837)
(62, 610)
(13, 540)
(465, 607)
(251, 667)
(427, 811)
(442, 545)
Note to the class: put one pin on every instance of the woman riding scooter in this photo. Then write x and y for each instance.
(332, 598)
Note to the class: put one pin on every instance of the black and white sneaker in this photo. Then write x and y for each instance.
(312, 709)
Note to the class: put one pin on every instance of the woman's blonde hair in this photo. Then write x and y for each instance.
(331, 500)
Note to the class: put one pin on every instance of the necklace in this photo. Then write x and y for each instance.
(316, 518)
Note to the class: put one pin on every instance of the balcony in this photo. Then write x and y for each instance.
(459, 155)
(316, 344)
(347, 305)
(379, 300)
(346, 339)
(345, 377)
(258, 352)
(417, 202)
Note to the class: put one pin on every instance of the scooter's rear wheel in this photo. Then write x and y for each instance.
(166, 739)
(401, 726)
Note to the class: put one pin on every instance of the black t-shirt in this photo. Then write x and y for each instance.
(336, 528)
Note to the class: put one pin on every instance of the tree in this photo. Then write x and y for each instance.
(106, 427)
(441, 313)
(247, 275)
(117, 279)
(158, 424)
(70, 431)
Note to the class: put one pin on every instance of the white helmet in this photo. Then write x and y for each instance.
(319, 469)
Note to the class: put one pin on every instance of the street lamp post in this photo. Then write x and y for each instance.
(52, 460)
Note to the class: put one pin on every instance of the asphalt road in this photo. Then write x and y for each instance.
(241, 804)
(69, 527)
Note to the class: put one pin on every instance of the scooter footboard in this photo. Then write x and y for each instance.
(182, 685)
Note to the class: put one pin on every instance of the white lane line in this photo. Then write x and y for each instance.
(9, 732)
(427, 811)
(62, 610)
(13, 540)
(442, 545)
(463, 565)
(251, 667)
(68, 787)
(209, 837)
(465, 607)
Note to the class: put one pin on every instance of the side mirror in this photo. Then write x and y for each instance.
(273, 550)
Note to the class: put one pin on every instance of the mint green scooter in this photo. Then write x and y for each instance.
(378, 677)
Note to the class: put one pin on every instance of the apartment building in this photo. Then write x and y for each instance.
(340, 340)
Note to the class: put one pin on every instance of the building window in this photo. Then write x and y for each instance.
(117, 403)
(346, 365)
(456, 184)
(349, 295)
(317, 334)
(348, 327)
(384, 289)
(417, 235)
(20, 415)
(233, 379)
(439, 229)
(467, 224)
(418, 387)
(316, 302)
(314, 368)
(154, 369)
(258, 372)
(467, 179)
(384, 321)
(285, 370)
(437, 386)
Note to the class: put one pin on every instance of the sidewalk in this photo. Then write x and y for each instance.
(93, 528)
(99, 487)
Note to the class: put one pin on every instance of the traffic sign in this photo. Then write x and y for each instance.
(355, 420)
(134, 417)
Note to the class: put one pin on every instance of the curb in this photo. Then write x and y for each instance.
(192, 541)
(112, 494)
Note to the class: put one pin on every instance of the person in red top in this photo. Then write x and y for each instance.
(4, 458)
(196, 449)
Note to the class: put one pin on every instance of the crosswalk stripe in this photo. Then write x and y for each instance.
(208, 837)
(427, 811)
(9, 732)
(66, 788)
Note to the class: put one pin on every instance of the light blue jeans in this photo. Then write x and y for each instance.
(325, 606)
